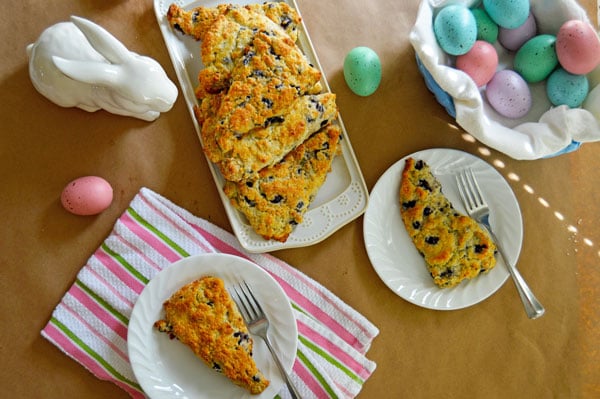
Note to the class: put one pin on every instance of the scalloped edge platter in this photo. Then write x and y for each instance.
(344, 195)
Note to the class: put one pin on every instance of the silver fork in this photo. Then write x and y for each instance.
(258, 324)
(478, 209)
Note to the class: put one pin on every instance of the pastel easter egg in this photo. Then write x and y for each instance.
(536, 59)
(487, 29)
(564, 88)
(479, 63)
(508, 93)
(508, 14)
(578, 47)
(455, 29)
(513, 39)
(88, 195)
(362, 71)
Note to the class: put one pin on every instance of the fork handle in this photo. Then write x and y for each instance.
(533, 307)
(286, 377)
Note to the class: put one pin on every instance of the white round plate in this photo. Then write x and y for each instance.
(166, 368)
(393, 254)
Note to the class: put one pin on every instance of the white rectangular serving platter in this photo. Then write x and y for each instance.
(344, 195)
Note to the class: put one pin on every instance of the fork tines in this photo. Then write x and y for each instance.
(469, 189)
(247, 304)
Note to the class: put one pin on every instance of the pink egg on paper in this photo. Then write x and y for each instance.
(88, 195)
(509, 94)
(578, 47)
(479, 63)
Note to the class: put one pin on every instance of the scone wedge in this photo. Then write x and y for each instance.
(276, 200)
(197, 21)
(453, 245)
(203, 316)
(242, 157)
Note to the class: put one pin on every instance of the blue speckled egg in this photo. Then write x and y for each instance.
(362, 71)
(455, 29)
(509, 14)
(564, 88)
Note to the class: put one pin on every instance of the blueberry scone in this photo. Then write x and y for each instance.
(269, 75)
(276, 200)
(203, 316)
(453, 245)
(195, 22)
(243, 156)
(257, 78)
(229, 32)
(228, 45)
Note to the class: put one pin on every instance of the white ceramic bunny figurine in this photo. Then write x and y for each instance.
(80, 64)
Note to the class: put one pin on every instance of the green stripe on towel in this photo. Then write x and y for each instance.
(102, 302)
(159, 233)
(94, 355)
(132, 270)
(315, 372)
(334, 362)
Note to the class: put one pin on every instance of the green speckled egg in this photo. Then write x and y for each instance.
(566, 88)
(536, 59)
(487, 29)
(362, 71)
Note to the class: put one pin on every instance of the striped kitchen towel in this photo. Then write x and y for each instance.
(90, 322)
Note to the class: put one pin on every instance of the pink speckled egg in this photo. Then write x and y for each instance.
(479, 63)
(578, 47)
(509, 94)
(88, 195)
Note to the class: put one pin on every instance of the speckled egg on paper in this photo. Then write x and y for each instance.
(87, 195)
(362, 71)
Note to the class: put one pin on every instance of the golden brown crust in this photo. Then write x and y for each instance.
(203, 316)
(196, 22)
(235, 52)
(243, 156)
(277, 199)
(453, 245)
